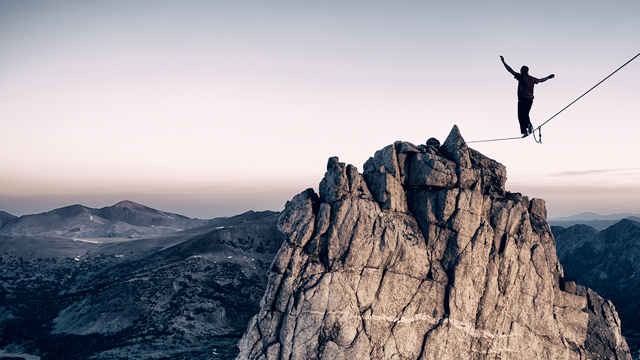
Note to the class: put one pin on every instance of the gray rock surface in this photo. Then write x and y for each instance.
(608, 262)
(424, 256)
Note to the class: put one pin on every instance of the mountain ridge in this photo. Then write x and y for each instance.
(597, 221)
(607, 261)
(183, 295)
(588, 216)
(125, 219)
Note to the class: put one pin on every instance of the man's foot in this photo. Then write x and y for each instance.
(525, 135)
(530, 128)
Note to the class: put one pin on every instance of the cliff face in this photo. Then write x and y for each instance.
(423, 256)
(607, 261)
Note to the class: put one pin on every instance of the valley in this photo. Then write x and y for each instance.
(187, 295)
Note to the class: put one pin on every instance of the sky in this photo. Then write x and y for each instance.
(213, 108)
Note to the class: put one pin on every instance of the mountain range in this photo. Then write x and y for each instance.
(597, 221)
(187, 294)
(125, 219)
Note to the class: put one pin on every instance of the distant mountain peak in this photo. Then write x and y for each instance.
(627, 222)
(5, 218)
(130, 204)
(588, 216)
(77, 221)
(4, 214)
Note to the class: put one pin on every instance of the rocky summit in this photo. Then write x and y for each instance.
(424, 255)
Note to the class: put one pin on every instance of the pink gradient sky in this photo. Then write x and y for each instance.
(214, 108)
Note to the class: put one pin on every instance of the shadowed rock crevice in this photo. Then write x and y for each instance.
(424, 255)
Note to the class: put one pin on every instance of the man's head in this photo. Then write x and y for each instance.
(524, 70)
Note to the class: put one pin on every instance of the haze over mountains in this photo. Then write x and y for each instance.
(597, 221)
(125, 219)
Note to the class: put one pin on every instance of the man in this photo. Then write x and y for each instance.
(525, 95)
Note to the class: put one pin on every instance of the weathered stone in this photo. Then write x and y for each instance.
(388, 191)
(281, 261)
(394, 294)
(290, 279)
(384, 161)
(323, 219)
(564, 299)
(538, 208)
(604, 337)
(404, 147)
(431, 170)
(298, 218)
(403, 165)
(493, 174)
(357, 185)
(570, 287)
(572, 324)
(455, 149)
(269, 325)
(433, 142)
(368, 287)
(273, 352)
(461, 269)
(433, 207)
(467, 177)
(352, 221)
(468, 214)
(335, 183)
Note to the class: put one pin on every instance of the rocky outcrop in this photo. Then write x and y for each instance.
(607, 262)
(423, 256)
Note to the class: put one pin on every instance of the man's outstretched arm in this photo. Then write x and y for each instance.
(547, 78)
(509, 69)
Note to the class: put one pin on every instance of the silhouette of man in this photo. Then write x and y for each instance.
(525, 95)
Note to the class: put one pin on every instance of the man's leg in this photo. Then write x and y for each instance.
(524, 106)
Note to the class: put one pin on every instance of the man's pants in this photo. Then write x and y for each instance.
(524, 106)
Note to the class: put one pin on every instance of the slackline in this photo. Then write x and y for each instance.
(539, 128)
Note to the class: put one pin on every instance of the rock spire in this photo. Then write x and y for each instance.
(424, 255)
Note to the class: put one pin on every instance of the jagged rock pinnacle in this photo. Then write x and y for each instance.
(424, 255)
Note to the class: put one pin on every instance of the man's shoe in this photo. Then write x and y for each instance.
(530, 128)
(525, 135)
